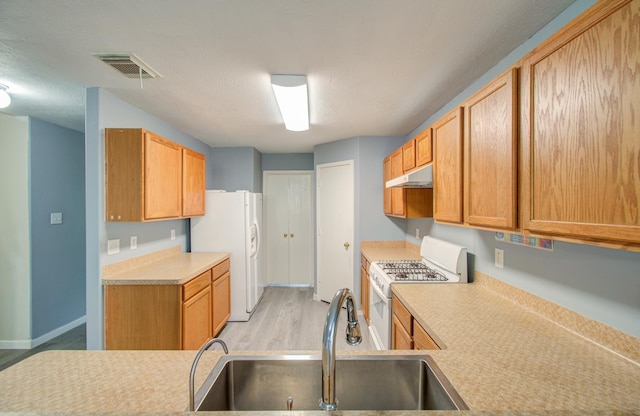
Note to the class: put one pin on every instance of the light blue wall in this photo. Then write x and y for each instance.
(57, 251)
(599, 283)
(370, 222)
(104, 110)
(287, 161)
(236, 168)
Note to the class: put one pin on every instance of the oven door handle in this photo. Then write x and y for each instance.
(380, 294)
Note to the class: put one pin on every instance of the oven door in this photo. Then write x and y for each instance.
(379, 317)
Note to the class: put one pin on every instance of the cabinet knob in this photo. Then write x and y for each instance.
(291, 235)
(346, 245)
(286, 235)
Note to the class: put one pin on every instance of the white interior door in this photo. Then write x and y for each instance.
(335, 224)
(288, 227)
(300, 231)
(276, 228)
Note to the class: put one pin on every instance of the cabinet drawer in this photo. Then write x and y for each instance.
(403, 315)
(195, 285)
(422, 340)
(220, 269)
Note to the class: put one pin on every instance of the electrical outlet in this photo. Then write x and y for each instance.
(134, 242)
(56, 218)
(417, 233)
(113, 247)
(173, 234)
(499, 258)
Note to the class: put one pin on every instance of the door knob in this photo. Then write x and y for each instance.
(286, 235)
(346, 245)
(291, 235)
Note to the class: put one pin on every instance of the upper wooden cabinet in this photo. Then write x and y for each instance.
(423, 147)
(408, 156)
(491, 154)
(400, 202)
(447, 167)
(193, 183)
(146, 174)
(581, 129)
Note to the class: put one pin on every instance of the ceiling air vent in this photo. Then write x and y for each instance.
(128, 65)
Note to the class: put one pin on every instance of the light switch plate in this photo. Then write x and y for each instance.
(499, 261)
(56, 218)
(173, 234)
(417, 233)
(113, 247)
(133, 243)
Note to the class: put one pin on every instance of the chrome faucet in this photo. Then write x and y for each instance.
(328, 400)
(192, 375)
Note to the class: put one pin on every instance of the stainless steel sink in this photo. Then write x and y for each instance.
(364, 382)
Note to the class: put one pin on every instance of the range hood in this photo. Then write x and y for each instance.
(420, 178)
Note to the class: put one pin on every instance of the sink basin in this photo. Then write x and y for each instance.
(364, 382)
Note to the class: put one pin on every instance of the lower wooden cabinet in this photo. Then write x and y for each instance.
(364, 287)
(221, 296)
(407, 333)
(168, 317)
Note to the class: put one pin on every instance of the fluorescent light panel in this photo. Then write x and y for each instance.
(5, 98)
(293, 101)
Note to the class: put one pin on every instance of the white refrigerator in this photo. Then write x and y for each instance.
(232, 223)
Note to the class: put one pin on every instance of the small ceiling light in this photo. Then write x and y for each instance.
(5, 98)
(291, 95)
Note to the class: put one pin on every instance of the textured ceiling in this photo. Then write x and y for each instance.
(374, 67)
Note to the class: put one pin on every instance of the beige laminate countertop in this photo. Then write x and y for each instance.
(168, 267)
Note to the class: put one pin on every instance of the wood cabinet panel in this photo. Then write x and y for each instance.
(221, 299)
(386, 196)
(221, 269)
(447, 167)
(163, 178)
(401, 338)
(403, 315)
(581, 152)
(364, 287)
(196, 284)
(196, 320)
(408, 156)
(193, 183)
(422, 340)
(124, 174)
(397, 194)
(491, 154)
(142, 317)
(423, 146)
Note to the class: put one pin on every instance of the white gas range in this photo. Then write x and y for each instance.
(442, 262)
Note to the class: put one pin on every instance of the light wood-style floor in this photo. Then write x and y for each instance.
(286, 319)
(289, 319)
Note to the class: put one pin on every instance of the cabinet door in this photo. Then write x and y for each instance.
(162, 178)
(581, 129)
(196, 320)
(447, 167)
(397, 194)
(408, 156)
(221, 295)
(491, 154)
(386, 175)
(422, 340)
(401, 338)
(423, 148)
(193, 183)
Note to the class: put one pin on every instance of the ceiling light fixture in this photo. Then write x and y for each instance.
(293, 101)
(5, 98)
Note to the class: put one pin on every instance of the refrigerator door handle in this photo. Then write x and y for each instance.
(255, 253)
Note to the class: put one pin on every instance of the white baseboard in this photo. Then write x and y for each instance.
(27, 344)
